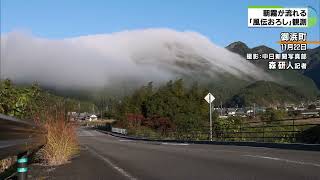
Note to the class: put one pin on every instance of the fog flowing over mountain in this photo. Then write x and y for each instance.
(130, 56)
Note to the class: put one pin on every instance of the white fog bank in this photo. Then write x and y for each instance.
(100, 60)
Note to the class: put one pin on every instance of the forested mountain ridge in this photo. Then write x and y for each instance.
(303, 81)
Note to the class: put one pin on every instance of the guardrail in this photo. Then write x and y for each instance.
(289, 146)
(19, 138)
(119, 131)
(285, 130)
(288, 130)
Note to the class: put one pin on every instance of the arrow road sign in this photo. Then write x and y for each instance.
(209, 98)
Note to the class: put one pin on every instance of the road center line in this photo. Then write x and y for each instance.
(175, 144)
(284, 160)
(125, 140)
(120, 170)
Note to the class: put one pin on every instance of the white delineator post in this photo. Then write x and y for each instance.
(210, 98)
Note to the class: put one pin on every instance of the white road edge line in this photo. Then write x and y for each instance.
(175, 144)
(120, 170)
(284, 160)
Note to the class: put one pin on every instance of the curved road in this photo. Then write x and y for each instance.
(126, 159)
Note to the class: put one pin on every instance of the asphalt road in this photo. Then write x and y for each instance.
(127, 159)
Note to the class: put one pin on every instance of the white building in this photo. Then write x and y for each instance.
(93, 118)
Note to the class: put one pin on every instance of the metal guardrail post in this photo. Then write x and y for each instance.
(294, 133)
(22, 168)
(241, 135)
(263, 135)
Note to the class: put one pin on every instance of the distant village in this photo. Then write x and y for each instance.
(311, 109)
(83, 116)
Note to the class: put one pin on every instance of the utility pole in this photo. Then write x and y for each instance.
(210, 120)
(101, 112)
(0, 70)
(4, 51)
(220, 108)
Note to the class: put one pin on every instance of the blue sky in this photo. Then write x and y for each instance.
(222, 21)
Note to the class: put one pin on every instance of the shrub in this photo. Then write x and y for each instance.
(61, 143)
(144, 132)
(310, 135)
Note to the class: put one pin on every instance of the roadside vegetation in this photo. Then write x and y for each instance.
(62, 143)
(31, 103)
(7, 163)
(177, 111)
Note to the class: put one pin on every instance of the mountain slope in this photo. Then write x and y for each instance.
(300, 82)
(265, 93)
(313, 70)
(120, 62)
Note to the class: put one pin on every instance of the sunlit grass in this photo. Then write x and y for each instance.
(62, 143)
(7, 163)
